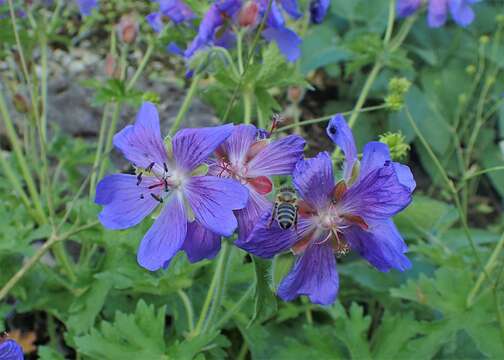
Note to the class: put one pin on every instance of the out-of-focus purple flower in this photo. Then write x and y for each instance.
(318, 10)
(176, 10)
(407, 7)
(86, 6)
(354, 213)
(10, 350)
(215, 25)
(194, 207)
(437, 11)
(250, 159)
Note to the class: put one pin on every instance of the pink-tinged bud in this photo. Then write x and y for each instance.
(295, 94)
(248, 14)
(21, 103)
(127, 29)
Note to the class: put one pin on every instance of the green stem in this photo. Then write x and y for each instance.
(64, 261)
(484, 171)
(365, 91)
(141, 66)
(211, 290)
(185, 105)
(99, 152)
(327, 117)
(21, 160)
(239, 50)
(40, 252)
(390, 22)
(237, 306)
(189, 309)
(11, 176)
(490, 265)
(219, 289)
(247, 107)
(110, 137)
(449, 184)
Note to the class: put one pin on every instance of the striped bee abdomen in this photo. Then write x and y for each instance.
(286, 215)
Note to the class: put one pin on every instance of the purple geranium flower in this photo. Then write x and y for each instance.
(249, 158)
(10, 350)
(192, 203)
(460, 11)
(86, 6)
(215, 28)
(176, 10)
(354, 213)
(318, 10)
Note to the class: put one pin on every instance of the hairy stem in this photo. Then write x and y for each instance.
(188, 308)
(212, 289)
(185, 105)
(327, 117)
(449, 184)
(490, 265)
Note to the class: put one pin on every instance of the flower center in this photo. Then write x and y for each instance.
(167, 181)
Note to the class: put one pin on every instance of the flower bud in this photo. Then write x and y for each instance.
(396, 143)
(470, 69)
(484, 39)
(500, 19)
(295, 94)
(127, 29)
(21, 103)
(398, 87)
(248, 14)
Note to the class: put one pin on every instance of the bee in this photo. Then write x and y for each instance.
(285, 210)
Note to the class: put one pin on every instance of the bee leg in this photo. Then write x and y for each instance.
(273, 214)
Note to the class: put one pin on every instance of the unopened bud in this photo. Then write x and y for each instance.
(462, 98)
(248, 14)
(484, 39)
(500, 19)
(127, 29)
(470, 69)
(396, 143)
(21, 103)
(399, 86)
(295, 94)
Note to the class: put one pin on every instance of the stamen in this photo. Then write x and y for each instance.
(157, 198)
(166, 185)
(139, 178)
(151, 165)
(165, 167)
(154, 186)
(141, 196)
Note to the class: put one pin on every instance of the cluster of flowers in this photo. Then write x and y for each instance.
(209, 181)
(437, 10)
(219, 23)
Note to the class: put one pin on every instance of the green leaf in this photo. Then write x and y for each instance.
(495, 157)
(425, 215)
(320, 48)
(424, 115)
(130, 336)
(265, 302)
(188, 349)
(86, 307)
(48, 353)
(394, 332)
(352, 329)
